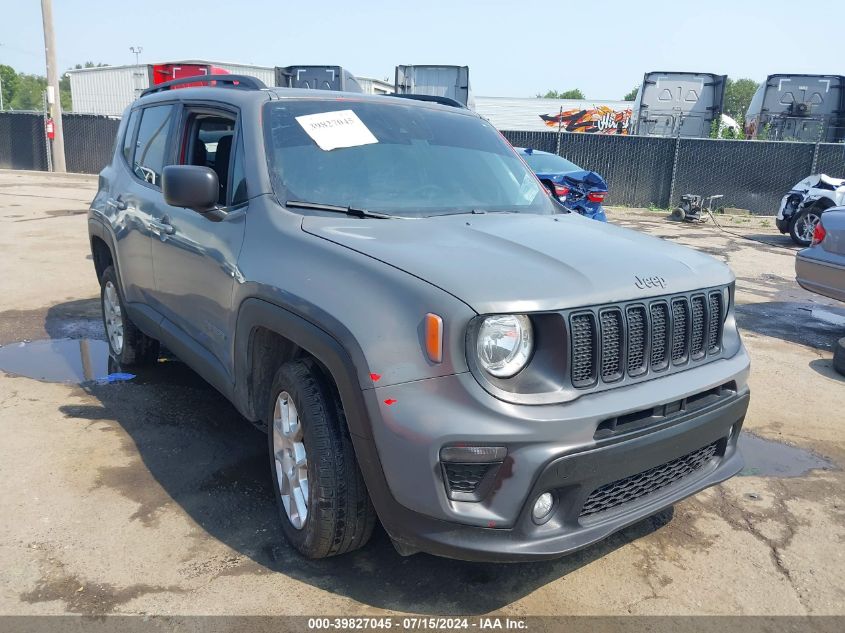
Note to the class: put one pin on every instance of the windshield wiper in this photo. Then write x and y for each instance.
(334, 208)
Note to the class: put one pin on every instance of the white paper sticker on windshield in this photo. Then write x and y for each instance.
(331, 130)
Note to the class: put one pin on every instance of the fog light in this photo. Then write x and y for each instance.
(543, 506)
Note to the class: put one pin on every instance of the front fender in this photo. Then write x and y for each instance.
(374, 310)
(340, 361)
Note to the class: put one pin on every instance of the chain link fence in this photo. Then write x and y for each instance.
(89, 141)
(641, 171)
(22, 141)
(645, 171)
(751, 175)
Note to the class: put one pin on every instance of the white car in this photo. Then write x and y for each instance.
(801, 208)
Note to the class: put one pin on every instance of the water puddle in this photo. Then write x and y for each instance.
(828, 316)
(767, 458)
(806, 324)
(87, 361)
(61, 360)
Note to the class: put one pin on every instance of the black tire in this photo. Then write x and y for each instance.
(798, 222)
(678, 214)
(137, 348)
(839, 356)
(340, 517)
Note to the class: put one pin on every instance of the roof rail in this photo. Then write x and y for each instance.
(448, 101)
(229, 81)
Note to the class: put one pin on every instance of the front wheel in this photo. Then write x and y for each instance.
(678, 214)
(322, 498)
(803, 225)
(127, 344)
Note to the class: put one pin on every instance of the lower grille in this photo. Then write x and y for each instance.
(630, 488)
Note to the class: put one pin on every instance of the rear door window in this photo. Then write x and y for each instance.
(151, 146)
(129, 137)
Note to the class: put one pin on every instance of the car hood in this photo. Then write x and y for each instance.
(524, 263)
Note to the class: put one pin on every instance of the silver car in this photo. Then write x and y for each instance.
(821, 267)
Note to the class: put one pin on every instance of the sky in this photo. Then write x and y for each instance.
(515, 48)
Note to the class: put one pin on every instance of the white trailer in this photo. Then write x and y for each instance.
(109, 89)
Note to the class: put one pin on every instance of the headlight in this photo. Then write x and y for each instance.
(504, 344)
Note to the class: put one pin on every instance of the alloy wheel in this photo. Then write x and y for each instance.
(291, 461)
(808, 226)
(113, 317)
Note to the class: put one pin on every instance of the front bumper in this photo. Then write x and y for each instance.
(550, 448)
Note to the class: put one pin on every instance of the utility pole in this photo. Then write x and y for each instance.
(1, 89)
(53, 82)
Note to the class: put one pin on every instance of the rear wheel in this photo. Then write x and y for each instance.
(323, 502)
(678, 214)
(127, 344)
(803, 224)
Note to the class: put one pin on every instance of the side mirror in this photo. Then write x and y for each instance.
(190, 186)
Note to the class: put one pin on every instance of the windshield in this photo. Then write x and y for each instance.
(549, 163)
(401, 159)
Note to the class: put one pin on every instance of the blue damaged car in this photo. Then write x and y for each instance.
(577, 189)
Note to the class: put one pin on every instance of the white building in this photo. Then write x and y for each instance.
(109, 89)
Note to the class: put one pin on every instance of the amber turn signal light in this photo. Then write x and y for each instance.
(434, 337)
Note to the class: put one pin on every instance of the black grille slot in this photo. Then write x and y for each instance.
(659, 332)
(637, 340)
(612, 337)
(631, 488)
(465, 477)
(714, 328)
(699, 318)
(680, 325)
(584, 345)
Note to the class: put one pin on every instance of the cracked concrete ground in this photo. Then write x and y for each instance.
(153, 496)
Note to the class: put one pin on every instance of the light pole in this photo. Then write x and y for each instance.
(137, 51)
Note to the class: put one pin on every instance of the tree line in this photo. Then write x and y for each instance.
(23, 91)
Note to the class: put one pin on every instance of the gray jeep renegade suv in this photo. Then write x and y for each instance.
(428, 337)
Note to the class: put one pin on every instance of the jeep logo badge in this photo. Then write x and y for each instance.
(650, 282)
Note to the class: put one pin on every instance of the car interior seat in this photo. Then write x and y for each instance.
(221, 164)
